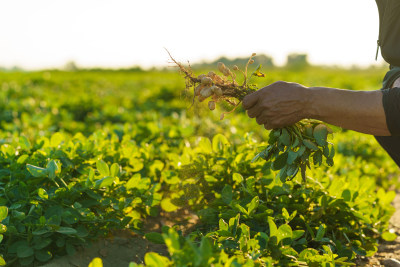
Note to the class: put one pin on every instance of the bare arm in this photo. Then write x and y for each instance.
(281, 104)
(361, 111)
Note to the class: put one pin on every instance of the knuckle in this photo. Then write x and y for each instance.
(265, 105)
(245, 103)
(279, 83)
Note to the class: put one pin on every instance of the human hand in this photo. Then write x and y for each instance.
(278, 105)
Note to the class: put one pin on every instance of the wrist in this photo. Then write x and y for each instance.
(311, 109)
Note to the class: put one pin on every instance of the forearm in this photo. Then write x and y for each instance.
(361, 111)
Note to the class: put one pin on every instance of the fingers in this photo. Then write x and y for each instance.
(262, 119)
(250, 100)
(254, 111)
(267, 126)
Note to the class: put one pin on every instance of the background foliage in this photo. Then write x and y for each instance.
(86, 152)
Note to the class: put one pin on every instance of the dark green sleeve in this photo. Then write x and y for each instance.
(391, 104)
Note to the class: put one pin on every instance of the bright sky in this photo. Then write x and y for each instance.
(120, 33)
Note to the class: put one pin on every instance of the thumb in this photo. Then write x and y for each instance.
(250, 100)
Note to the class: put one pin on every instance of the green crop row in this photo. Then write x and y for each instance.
(82, 154)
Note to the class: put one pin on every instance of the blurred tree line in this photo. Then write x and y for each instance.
(294, 61)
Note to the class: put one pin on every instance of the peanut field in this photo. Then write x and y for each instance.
(86, 153)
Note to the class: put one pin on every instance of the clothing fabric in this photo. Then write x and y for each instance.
(389, 42)
(391, 101)
(389, 30)
(391, 104)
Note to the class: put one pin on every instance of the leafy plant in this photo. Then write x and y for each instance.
(290, 148)
(103, 153)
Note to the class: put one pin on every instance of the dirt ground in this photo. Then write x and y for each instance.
(125, 247)
(117, 251)
(387, 250)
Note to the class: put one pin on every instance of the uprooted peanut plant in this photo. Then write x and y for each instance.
(290, 149)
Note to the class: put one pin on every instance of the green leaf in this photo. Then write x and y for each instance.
(104, 182)
(326, 151)
(346, 195)
(320, 134)
(41, 231)
(136, 164)
(227, 194)
(389, 236)
(168, 206)
(223, 225)
(70, 248)
(296, 142)
(91, 175)
(280, 161)
(36, 171)
(52, 168)
(43, 255)
(219, 142)
(237, 177)
(285, 137)
(297, 234)
(332, 153)
(301, 151)
(42, 243)
(257, 72)
(292, 170)
(205, 250)
(205, 145)
(233, 223)
(236, 205)
(155, 238)
(153, 259)
(56, 139)
(293, 215)
(2, 261)
(42, 193)
(26, 261)
(359, 251)
(320, 233)
(3, 229)
(70, 217)
(259, 155)
(172, 241)
(273, 230)
(292, 156)
(285, 214)
(24, 251)
(19, 215)
(66, 230)
(102, 167)
(284, 231)
(283, 174)
(114, 170)
(317, 158)
(133, 182)
(309, 131)
(96, 262)
(3, 213)
(60, 242)
(24, 143)
(82, 231)
(22, 159)
(253, 205)
(310, 145)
